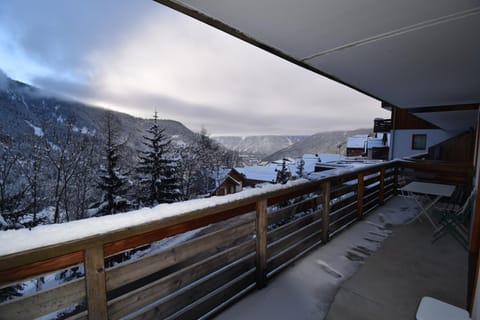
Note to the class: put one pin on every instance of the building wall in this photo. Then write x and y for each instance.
(355, 152)
(402, 141)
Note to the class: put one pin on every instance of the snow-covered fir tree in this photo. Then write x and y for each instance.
(283, 175)
(111, 181)
(300, 168)
(158, 168)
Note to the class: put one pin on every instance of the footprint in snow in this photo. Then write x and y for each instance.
(325, 267)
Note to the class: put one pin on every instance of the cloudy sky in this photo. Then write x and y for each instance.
(136, 55)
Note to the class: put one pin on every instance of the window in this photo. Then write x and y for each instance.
(419, 141)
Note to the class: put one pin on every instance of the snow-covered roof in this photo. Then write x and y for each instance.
(357, 141)
(329, 157)
(265, 173)
(375, 143)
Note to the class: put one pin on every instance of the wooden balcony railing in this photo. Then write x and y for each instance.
(250, 241)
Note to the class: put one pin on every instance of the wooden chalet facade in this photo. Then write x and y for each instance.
(232, 183)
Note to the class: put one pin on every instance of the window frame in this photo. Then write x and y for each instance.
(416, 143)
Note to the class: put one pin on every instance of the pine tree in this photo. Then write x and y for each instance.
(300, 168)
(283, 175)
(159, 170)
(111, 182)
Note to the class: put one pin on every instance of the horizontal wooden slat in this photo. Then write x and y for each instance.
(294, 192)
(371, 180)
(372, 194)
(352, 206)
(369, 207)
(338, 204)
(199, 290)
(344, 220)
(41, 267)
(283, 213)
(154, 291)
(344, 189)
(290, 227)
(79, 316)
(285, 257)
(44, 302)
(293, 238)
(208, 303)
(205, 245)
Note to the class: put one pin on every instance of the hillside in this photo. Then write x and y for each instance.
(27, 110)
(322, 142)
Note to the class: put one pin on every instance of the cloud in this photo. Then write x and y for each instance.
(136, 56)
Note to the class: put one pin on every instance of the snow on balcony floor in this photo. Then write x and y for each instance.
(307, 289)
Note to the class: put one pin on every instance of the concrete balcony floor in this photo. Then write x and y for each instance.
(379, 268)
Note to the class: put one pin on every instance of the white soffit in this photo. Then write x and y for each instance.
(407, 53)
(456, 120)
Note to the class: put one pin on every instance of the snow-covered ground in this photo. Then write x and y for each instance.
(306, 290)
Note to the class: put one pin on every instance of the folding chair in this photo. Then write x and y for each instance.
(455, 221)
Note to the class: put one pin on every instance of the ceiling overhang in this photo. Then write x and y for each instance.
(406, 53)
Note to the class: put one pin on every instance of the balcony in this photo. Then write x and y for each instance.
(234, 245)
(382, 125)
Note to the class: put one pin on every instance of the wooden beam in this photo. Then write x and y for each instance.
(95, 283)
(326, 211)
(360, 196)
(473, 250)
(381, 194)
(261, 243)
(40, 267)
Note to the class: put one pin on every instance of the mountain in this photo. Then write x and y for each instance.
(27, 110)
(259, 146)
(322, 142)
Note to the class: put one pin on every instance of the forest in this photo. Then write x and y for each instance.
(59, 173)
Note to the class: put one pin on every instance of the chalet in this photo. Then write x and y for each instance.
(357, 145)
(376, 147)
(241, 177)
(233, 182)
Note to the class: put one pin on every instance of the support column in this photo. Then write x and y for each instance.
(261, 243)
(326, 211)
(95, 283)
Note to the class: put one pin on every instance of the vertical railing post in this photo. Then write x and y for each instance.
(360, 195)
(261, 243)
(95, 283)
(381, 193)
(395, 180)
(326, 211)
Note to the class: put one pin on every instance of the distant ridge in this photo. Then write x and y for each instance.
(322, 142)
(260, 146)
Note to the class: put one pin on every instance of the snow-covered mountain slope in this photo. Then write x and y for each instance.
(26, 111)
(322, 142)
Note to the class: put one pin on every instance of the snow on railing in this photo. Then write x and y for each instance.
(251, 236)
